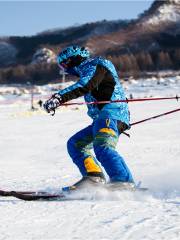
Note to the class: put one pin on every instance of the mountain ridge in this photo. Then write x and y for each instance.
(149, 43)
(103, 36)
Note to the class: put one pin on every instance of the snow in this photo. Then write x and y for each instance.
(166, 13)
(33, 156)
(43, 55)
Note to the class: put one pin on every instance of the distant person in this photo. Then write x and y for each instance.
(40, 103)
(98, 81)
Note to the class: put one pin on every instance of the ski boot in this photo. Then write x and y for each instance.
(121, 186)
(91, 180)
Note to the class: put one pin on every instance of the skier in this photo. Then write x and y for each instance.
(98, 81)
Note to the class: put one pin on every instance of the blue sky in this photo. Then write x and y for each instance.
(30, 17)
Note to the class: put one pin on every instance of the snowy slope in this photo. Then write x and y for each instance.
(33, 156)
(167, 12)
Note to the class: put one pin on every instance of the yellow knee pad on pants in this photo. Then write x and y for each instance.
(91, 165)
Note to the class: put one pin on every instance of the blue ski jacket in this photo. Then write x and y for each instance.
(98, 81)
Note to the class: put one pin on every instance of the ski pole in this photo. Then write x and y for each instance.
(151, 118)
(124, 100)
(53, 111)
(157, 116)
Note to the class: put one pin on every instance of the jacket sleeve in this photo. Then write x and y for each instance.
(84, 85)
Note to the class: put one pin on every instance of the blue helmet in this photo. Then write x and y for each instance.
(72, 51)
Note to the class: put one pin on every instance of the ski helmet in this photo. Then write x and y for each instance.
(72, 51)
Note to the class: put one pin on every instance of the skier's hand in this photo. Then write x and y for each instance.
(51, 104)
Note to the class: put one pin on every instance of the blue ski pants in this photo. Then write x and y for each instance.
(101, 136)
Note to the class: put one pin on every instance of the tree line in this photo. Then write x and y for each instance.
(136, 64)
(127, 65)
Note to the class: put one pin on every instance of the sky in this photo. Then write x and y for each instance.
(25, 18)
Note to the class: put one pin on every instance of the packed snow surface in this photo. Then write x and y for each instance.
(33, 156)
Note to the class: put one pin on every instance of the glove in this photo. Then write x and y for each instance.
(51, 104)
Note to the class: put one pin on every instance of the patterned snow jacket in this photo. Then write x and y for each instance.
(98, 82)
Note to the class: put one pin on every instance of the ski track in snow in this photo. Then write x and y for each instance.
(33, 156)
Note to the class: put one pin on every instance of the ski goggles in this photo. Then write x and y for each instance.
(65, 64)
(62, 66)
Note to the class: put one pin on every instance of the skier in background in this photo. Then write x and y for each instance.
(98, 81)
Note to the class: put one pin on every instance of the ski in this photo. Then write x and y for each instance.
(138, 189)
(66, 193)
(4, 193)
(38, 196)
(58, 197)
(45, 196)
(31, 195)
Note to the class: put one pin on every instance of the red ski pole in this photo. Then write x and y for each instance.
(116, 101)
(157, 116)
(126, 100)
